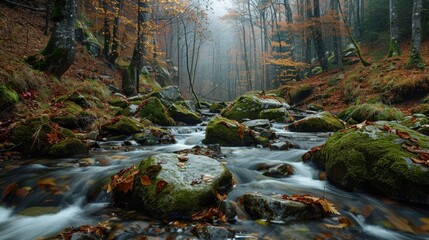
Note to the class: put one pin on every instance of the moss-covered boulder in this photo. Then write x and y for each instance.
(8, 97)
(217, 107)
(79, 99)
(128, 111)
(153, 109)
(175, 189)
(180, 113)
(67, 148)
(276, 114)
(295, 93)
(31, 135)
(250, 105)
(371, 112)
(228, 132)
(119, 102)
(275, 208)
(377, 158)
(321, 122)
(167, 95)
(80, 121)
(121, 125)
(415, 122)
(152, 136)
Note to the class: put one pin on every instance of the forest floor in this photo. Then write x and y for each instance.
(387, 80)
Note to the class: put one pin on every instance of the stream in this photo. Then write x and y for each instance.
(41, 197)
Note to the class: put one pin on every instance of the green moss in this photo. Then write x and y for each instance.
(217, 107)
(263, 141)
(299, 93)
(322, 122)
(371, 112)
(67, 148)
(373, 159)
(118, 102)
(123, 126)
(31, 136)
(155, 111)
(422, 109)
(72, 107)
(8, 97)
(277, 114)
(225, 132)
(181, 114)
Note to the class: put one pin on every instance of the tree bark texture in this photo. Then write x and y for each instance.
(59, 54)
(416, 36)
(394, 48)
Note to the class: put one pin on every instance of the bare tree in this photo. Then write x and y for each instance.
(394, 48)
(415, 59)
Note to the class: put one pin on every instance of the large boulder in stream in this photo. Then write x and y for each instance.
(181, 112)
(250, 106)
(321, 122)
(153, 110)
(121, 126)
(385, 158)
(172, 186)
(167, 95)
(277, 209)
(228, 132)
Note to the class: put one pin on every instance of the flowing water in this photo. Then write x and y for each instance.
(41, 197)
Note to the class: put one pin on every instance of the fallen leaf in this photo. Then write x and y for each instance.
(418, 161)
(326, 206)
(160, 185)
(117, 157)
(181, 164)
(145, 180)
(207, 178)
(212, 214)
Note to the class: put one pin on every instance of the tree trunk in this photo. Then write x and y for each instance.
(394, 48)
(113, 55)
(349, 31)
(252, 27)
(106, 29)
(246, 60)
(48, 6)
(59, 54)
(337, 36)
(416, 38)
(318, 38)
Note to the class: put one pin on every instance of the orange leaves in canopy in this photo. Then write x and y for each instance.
(123, 181)
(327, 207)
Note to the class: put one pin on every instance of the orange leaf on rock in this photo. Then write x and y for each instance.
(145, 180)
(418, 161)
(403, 135)
(182, 158)
(160, 185)
(211, 214)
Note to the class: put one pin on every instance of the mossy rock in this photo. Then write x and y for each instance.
(67, 148)
(121, 126)
(297, 94)
(250, 105)
(31, 136)
(276, 114)
(316, 71)
(153, 109)
(373, 159)
(8, 97)
(167, 95)
(182, 114)
(118, 102)
(228, 132)
(81, 121)
(184, 190)
(422, 109)
(79, 99)
(72, 107)
(129, 110)
(314, 107)
(217, 107)
(321, 122)
(152, 136)
(371, 112)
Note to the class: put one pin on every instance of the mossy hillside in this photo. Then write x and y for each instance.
(121, 126)
(118, 102)
(321, 122)
(179, 199)
(373, 159)
(153, 109)
(67, 148)
(8, 97)
(31, 136)
(228, 132)
(182, 114)
(422, 109)
(371, 112)
(250, 105)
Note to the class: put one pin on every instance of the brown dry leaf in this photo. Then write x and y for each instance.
(160, 185)
(221, 197)
(403, 135)
(46, 183)
(207, 178)
(241, 129)
(123, 180)
(181, 164)
(145, 180)
(418, 161)
(326, 206)
(387, 128)
(182, 158)
(23, 192)
(211, 214)
(424, 156)
(9, 188)
(118, 157)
